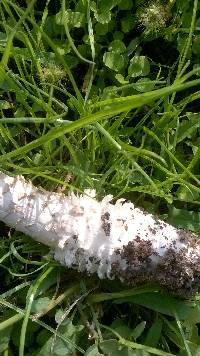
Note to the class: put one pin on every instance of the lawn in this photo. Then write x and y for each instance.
(99, 95)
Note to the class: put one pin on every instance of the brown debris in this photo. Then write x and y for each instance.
(177, 270)
(105, 218)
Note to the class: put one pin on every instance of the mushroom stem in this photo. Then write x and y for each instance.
(113, 240)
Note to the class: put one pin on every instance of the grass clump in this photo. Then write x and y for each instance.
(95, 94)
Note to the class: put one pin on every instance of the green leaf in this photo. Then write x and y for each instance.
(144, 84)
(74, 19)
(61, 318)
(101, 29)
(137, 332)
(121, 79)
(102, 13)
(113, 348)
(117, 46)
(121, 328)
(60, 347)
(126, 5)
(118, 35)
(187, 128)
(154, 333)
(184, 219)
(187, 194)
(103, 17)
(139, 66)
(113, 61)
(107, 5)
(51, 28)
(165, 304)
(4, 104)
(40, 304)
(133, 45)
(128, 23)
(71, 61)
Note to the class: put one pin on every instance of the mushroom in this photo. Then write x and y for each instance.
(113, 240)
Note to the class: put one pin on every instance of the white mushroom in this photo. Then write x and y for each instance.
(113, 240)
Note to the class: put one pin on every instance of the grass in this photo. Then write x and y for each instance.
(80, 110)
